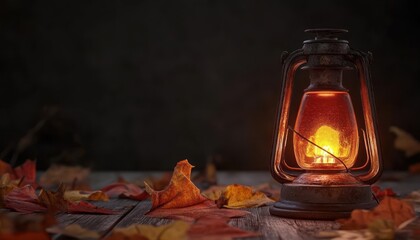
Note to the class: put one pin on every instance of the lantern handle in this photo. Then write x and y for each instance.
(290, 64)
(362, 62)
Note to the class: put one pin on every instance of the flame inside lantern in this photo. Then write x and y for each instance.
(328, 120)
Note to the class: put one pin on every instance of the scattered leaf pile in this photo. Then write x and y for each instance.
(181, 199)
(389, 209)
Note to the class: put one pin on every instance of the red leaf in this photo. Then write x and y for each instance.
(23, 200)
(125, 190)
(27, 171)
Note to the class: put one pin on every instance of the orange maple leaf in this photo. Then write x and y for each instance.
(180, 192)
(397, 211)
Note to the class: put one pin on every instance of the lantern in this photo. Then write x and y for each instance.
(325, 156)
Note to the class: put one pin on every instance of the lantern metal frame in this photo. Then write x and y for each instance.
(320, 200)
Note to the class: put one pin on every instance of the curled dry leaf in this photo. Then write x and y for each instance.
(175, 230)
(180, 192)
(394, 210)
(125, 190)
(240, 196)
(74, 231)
(53, 201)
(76, 195)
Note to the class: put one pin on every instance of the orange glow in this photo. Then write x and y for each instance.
(326, 94)
(329, 123)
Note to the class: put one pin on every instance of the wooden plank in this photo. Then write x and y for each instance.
(137, 216)
(272, 227)
(258, 220)
(99, 222)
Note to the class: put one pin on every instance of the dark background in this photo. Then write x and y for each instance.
(139, 85)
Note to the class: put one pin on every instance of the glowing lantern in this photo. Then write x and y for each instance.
(328, 176)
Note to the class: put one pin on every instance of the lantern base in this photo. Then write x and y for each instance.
(322, 202)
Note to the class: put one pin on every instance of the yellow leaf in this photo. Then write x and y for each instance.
(240, 196)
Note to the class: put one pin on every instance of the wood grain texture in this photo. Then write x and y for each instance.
(272, 227)
(98, 222)
(259, 220)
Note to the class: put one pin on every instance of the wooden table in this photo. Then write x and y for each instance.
(259, 220)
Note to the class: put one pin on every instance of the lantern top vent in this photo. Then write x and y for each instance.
(326, 35)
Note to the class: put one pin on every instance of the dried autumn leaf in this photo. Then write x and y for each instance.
(54, 201)
(180, 192)
(25, 173)
(211, 227)
(24, 200)
(175, 230)
(76, 195)
(125, 190)
(389, 208)
(75, 231)
(240, 196)
(382, 229)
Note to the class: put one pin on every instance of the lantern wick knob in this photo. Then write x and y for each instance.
(326, 33)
